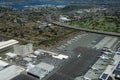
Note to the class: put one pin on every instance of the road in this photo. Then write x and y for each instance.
(86, 30)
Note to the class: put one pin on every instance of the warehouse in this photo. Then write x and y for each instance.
(40, 70)
(7, 44)
(10, 72)
(117, 70)
(3, 65)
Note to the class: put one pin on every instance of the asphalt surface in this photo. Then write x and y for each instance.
(77, 66)
(24, 77)
(86, 30)
(86, 40)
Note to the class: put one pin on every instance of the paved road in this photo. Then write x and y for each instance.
(86, 30)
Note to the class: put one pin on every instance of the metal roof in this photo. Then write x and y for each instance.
(10, 72)
(8, 43)
(11, 54)
(41, 69)
(45, 66)
(104, 76)
(118, 67)
(2, 63)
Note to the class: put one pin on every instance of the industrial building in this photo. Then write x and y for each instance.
(7, 44)
(40, 70)
(23, 50)
(116, 72)
(10, 72)
(104, 69)
(11, 55)
(112, 72)
(64, 19)
(3, 65)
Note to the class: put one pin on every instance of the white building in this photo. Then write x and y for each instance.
(60, 56)
(11, 55)
(6, 44)
(64, 19)
(23, 50)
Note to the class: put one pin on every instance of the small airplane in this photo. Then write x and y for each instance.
(107, 53)
(118, 53)
(104, 58)
(94, 68)
(86, 78)
(79, 55)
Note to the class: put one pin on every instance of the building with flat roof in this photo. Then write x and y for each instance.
(104, 69)
(116, 71)
(64, 19)
(3, 64)
(23, 50)
(11, 55)
(9, 43)
(10, 72)
(40, 70)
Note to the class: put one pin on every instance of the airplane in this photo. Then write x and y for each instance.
(79, 55)
(94, 68)
(107, 53)
(104, 58)
(86, 78)
(118, 53)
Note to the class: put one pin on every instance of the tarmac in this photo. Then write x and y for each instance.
(76, 66)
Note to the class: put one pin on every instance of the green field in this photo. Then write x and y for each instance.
(109, 23)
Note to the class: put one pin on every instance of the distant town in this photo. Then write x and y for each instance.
(79, 40)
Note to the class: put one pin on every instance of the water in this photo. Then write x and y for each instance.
(21, 5)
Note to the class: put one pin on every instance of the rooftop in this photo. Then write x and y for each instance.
(10, 72)
(104, 76)
(118, 67)
(2, 64)
(41, 70)
(11, 54)
(8, 43)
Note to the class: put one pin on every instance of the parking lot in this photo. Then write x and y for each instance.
(82, 40)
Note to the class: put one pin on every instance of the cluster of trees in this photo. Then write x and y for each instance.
(24, 26)
(107, 23)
